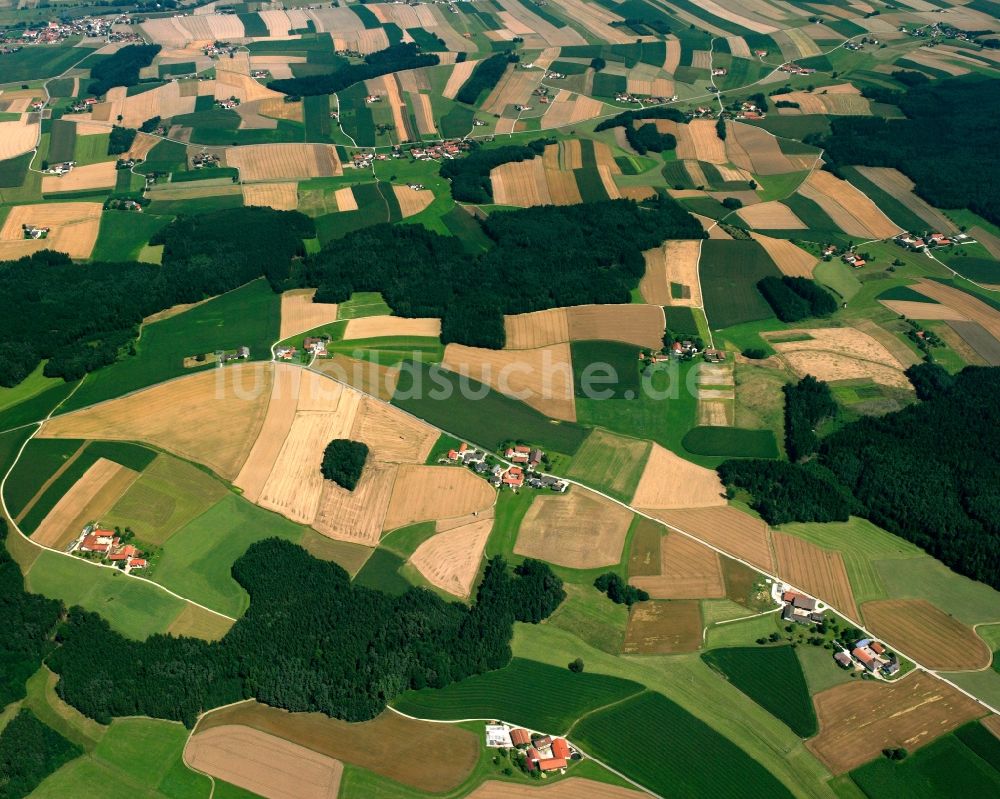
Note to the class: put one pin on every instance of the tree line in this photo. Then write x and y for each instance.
(796, 298)
(121, 68)
(485, 76)
(394, 58)
(929, 473)
(310, 641)
(543, 257)
(80, 316)
(923, 145)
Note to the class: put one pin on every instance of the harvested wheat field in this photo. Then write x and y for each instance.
(734, 532)
(295, 484)
(757, 151)
(528, 331)
(672, 262)
(641, 325)
(836, 100)
(93, 495)
(842, 353)
(263, 764)
(820, 572)
(365, 327)
(389, 745)
(927, 634)
(520, 183)
(850, 210)
(299, 313)
(17, 137)
(73, 229)
(563, 188)
(770, 216)
(346, 201)
(698, 141)
(391, 435)
(578, 529)
(284, 161)
(974, 309)
(141, 146)
(541, 378)
(924, 310)
(789, 258)
(196, 622)
(82, 178)
(210, 417)
(279, 196)
(570, 109)
(992, 723)
(450, 559)
(357, 516)
(669, 481)
(857, 720)
(637, 193)
(412, 202)
(901, 187)
(278, 108)
(234, 84)
(366, 376)
(570, 788)
(422, 493)
(688, 570)
(459, 74)
(612, 462)
(663, 628)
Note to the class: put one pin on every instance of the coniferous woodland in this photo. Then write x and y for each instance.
(561, 256)
(929, 473)
(470, 175)
(395, 58)
(310, 641)
(924, 145)
(795, 298)
(29, 752)
(485, 76)
(121, 68)
(807, 403)
(343, 462)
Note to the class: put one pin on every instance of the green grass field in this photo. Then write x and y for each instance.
(135, 757)
(168, 495)
(383, 571)
(91, 149)
(924, 577)
(69, 722)
(837, 275)
(489, 420)
(41, 458)
(610, 463)
(606, 369)
(729, 274)
(249, 316)
(196, 560)
(587, 614)
(693, 759)
(945, 768)
(133, 607)
(62, 140)
(34, 408)
(33, 63)
(773, 678)
(123, 234)
(525, 692)
(363, 303)
(735, 442)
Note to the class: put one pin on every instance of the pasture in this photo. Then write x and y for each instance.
(588, 615)
(732, 442)
(613, 464)
(773, 678)
(528, 693)
(663, 627)
(605, 370)
(730, 271)
(693, 758)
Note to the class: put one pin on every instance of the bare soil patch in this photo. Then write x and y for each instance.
(727, 528)
(263, 763)
(688, 570)
(389, 745)
(669, 481)
(211, 417)
(450, 559)
(928, 634)
(299, 313)
(819, 571)
(663, 628)
(93, 495)
(435, 492)
(859, 719)
(541, 378)
(578, 529)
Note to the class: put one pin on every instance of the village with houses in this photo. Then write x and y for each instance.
(535, 752)
(520, 469)
(98, 543)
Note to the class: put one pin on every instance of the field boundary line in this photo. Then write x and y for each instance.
(601, 763)
(48, 483)
(592, 711)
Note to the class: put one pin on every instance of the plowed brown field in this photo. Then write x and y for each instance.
(730, 530)
(819, 571)
(927, 634)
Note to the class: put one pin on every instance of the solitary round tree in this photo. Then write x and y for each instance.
(343, 461)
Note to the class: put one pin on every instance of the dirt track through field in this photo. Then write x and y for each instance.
(264, 764)
(819, 571)
(541, 378)
(211, 417)
(450, 559)
(672, 262)
(688, 570)
(422, 493)
(299, 313)
(928, 634)
(669, 481)
(859, 719)
(578, 529)
(93, 495)
(727, 528)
